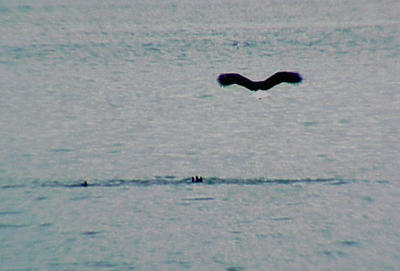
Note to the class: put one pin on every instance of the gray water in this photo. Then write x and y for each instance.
(123, 94)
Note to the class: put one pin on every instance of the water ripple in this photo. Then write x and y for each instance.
(171, 180)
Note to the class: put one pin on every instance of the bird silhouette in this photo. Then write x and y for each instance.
(226, 79)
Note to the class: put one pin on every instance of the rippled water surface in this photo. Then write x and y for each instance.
(123, 95)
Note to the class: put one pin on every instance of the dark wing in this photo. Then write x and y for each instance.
(227, 79)
(281, 77)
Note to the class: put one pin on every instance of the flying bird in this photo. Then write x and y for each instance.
(227, 79)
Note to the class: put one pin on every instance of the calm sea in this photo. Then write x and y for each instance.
(123, 95)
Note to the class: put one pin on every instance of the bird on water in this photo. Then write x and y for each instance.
(227, 79)
(197, 179)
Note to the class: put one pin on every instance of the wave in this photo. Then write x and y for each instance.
(172, 180)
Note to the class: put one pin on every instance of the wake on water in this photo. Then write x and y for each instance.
(172, 180)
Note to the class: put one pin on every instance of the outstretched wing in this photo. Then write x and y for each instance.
(281, 77)
(227, 79)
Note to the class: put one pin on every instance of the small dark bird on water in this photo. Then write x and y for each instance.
(227, 79)
(197, 179)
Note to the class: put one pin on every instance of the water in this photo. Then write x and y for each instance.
(124, 95)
